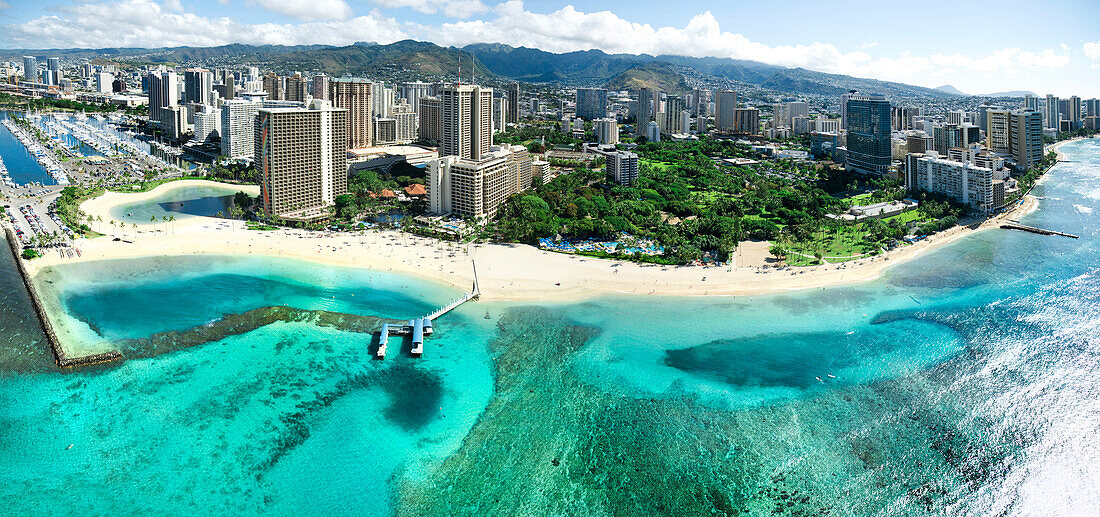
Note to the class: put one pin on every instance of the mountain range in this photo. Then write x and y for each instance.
(589, 68)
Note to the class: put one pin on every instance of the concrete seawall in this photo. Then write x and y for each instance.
(62, 359)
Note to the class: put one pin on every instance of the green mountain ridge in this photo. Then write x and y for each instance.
(587, 68)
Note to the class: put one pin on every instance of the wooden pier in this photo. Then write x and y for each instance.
(418, 328)
(1016, 225)
(60, 357)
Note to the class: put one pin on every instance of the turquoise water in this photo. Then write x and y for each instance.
(965, 382)
(181, 202)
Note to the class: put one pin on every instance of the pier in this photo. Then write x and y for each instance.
(60, 357)
(419, 328)
(1016, 225)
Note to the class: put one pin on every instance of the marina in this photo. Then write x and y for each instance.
(45, 157)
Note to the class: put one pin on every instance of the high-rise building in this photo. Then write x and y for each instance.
(385, 131)
(796, 109)
(1031, 102)
(1092, 107)
(431, 119)
(103, 82)
(321, 89)
(207, 124)
(919, 142)
(477, 188)
(297, 88)
(500, 114)
(592, 103)
(381, 100)
(229, 83)
(945, 137)
(644, 110)
(1075, 115)
(962, 181)
(1017, 135)
(163, 94)
(512, 116)
(30, 68)
(198, 86)
(414, 91)
(653, 132)
(275, 86)
(622, 167)
(725, 111)
(824, 144)
(868, 134)
(1051, 115)
(354, 95)
(607, 131)
(53, 67)
(302, 160)
(670, 118)
(404, 119)
(238, 127)
(844, 108)
(748, 121)
(466, 125)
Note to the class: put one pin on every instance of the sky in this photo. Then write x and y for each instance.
(977, 46)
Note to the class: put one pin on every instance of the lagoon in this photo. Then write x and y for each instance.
(964, 382)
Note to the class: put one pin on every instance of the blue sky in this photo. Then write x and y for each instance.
(977, 46)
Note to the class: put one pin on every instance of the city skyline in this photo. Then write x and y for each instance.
(982, 59)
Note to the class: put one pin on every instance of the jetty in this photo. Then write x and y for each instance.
(1016, 225)
(60, 357)
(418, 328)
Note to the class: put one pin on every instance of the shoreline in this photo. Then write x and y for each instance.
(1057, 146)
(103, 204)
(506, 272)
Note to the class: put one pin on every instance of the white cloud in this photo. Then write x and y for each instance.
(451, 8)
(149, 23)
(308, 11)
(1092, 51)
(173, 5)
(145, 23)
(4, 5)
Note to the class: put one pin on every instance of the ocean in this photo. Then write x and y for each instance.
(964, 382)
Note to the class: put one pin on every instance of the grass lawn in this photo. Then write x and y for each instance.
(660, 166)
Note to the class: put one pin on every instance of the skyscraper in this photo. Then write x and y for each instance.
(725, 111)
(591, 103)
(1075, 115)
(53, 69)
(30, 68)
(500, 114)
(748, 121)
(670, 118)
(797, 109)
(1051, 115)
(430, 128)
(607, 131)
(198, 86)
(466, 124)
(274, 85)
(477, 188)
(320, 88)
(414, 91)
(844, 108)
(302, 160)
(1031, 102)
(297, 88)
(512, 116)
(868, 133)
(354, 95)
(644, 111)
(1017, 135)
(238, 127)
(163, 94)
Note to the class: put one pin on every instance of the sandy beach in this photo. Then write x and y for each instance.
(505, 271)
(1056, 147)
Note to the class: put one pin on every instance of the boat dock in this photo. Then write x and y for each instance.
(419, 328)
(1015, 225)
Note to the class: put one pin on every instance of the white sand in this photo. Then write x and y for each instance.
(505, 271)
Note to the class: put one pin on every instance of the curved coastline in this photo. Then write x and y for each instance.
(507, 272)
(104, 204)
